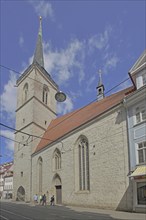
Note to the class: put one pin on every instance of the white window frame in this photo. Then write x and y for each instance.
(142, 149)
(144, 79)
(140, 113)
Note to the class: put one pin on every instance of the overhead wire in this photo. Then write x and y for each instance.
(8, 68)
(75, 112)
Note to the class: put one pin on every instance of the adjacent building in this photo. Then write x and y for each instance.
(6, 180)
(135, 104)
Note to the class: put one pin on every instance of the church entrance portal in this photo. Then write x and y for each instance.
(58, 186)
(58, 194)
(20, 194)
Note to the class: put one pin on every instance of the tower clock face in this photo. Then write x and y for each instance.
(60, 96)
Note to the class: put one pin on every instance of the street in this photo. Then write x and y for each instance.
(21, 211)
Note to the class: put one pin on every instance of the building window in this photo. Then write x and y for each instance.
(83, 150)
(141, 193)
(45, 95)
(40, 166)
(144, 79)
(57, 160)
(21, 174)
(142, 152)
(140, 114)
(25, 92)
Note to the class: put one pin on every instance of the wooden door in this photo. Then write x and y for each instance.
(58, 195)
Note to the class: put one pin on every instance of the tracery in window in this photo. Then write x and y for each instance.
(45, 94)
(57, 159)
(25, 92)
(83, 152)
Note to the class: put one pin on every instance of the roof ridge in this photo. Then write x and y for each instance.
(63, 125)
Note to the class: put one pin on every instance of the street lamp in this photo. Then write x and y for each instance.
(60, 96)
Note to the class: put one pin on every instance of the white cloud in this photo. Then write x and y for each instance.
(21, 41)
(43, 8)
(9, 143)
(75, 94)
(111, 61)
(66, 63)
(125, 85)
(90, 82)
(7, 133)
(100, 41)
(8, 98)
(64, 107)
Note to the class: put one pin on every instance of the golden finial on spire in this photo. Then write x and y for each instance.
(40, 18)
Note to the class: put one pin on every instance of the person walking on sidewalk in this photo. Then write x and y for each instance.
(44, 200)
(52, 200)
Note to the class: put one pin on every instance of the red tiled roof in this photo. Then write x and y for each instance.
(67, 123)
(5, 167)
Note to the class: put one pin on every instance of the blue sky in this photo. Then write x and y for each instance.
(79, 38)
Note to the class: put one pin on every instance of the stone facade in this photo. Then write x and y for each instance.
(32, 117)
(87, 165)
(108, 165)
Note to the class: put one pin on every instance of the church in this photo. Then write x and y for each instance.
(82, 158)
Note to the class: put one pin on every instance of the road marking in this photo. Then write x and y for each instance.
(3, 217)
(16, 214)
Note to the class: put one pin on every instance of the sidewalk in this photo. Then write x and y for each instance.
(112, 213)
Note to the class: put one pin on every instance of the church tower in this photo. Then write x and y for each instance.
(100, 87)
(36, 107)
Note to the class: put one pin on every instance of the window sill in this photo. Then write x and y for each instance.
(140, 164)
(142, 122)
(140, 206)
(83, 192)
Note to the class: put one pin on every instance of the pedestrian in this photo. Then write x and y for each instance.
(35, 199)
(44, 200)
(40, 199)
(52, 200)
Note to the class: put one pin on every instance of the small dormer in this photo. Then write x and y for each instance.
(138, 71)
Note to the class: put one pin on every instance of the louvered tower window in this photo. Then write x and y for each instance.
(25, 92)
(45, 95)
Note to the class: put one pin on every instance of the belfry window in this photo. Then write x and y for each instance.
(45, 95)
(25, 92)
(83, 150)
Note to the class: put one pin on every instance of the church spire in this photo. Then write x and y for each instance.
(100, 87)
(38, 55)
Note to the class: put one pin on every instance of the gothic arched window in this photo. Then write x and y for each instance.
(57, 160)
(83, 153)
(40, 174)
(25, 92)
(45, 95)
